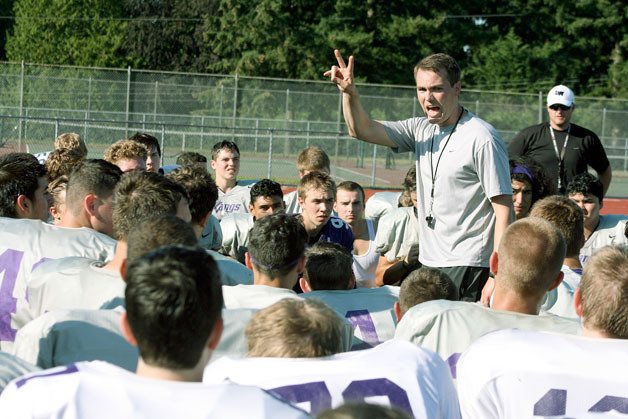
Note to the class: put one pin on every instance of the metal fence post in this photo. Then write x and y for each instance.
(540, 106)
(89, 107)
(270, 156)
(56, 127)
(374, 164)
(155, 101)
(19, 128)
(256, 134)
(202, 131)
(128, 100)
(163, 144)
(235, 107)
(603, 122)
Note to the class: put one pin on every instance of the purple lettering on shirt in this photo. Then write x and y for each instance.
(10, 262)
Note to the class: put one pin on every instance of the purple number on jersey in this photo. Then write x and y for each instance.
(68, 369)
(361, 319)
(360, 389)
(610, 403)
(316, 393)
(9, 265)
(553, 403)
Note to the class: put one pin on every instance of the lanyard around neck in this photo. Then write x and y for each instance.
(560, 155)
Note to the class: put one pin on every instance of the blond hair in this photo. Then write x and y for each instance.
(125, 150)
(294, 328)
(72, 141)
(316, 181)
(313, 159)
(566, 216)
(604, 291)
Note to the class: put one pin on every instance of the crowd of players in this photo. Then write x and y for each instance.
(149, 291)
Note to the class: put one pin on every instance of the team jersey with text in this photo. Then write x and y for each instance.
(395, 373)
(24, 244)
(370, 311)
(397, 232)
(101, 390)
(236, 200)
(449, 327)
(232, 272)
(235, 235)
(525, 374)
(72, 282)
(380, 204)
(610, 231)
(211, 237)
(12, 367)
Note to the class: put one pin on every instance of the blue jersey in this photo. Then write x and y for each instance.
(336, 231)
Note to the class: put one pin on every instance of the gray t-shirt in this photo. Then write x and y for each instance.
(473, 168)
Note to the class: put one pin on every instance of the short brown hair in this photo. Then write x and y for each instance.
(530, 255)
(313, 159)
(125, 149)
(440, 62)
(604, 291)
(201, 188)
(425, 284)
(314, 181)
(72, 141)
(566, 216)
(294, 328)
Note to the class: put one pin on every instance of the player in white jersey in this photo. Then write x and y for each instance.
(565, 215)
(310, 159)
(12, 367)
(380, 204)
(172, 295)
(397, 238)
(84, 283)
(543, 375)
(522, 277)
(275, 255)
(23, 187)
(226, 164)
(349, 206)
(558, 375)
(328, 277)
(586, 190)
(400, 374)
(266, 199)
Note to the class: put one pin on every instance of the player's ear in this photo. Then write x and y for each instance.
(247, 260)
(89, 204)
(123, 269)
(126, 329)
(557, 280)
(301, 264)
(23, 206)
(493, 262)
(397, 310)
(304, 285)
(577, 302)
(351, 285)
(214, 337)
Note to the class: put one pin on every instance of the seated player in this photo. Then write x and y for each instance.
(567, 217)
(328, 277)
(128, 155)
(529, 184)
(12, 367)
(266, 199)
(600, 230)
(317, 193)
(203, 193)
(226, 164)
(59, 337)
(153, 158)
(425, 284)
(275, 255)
(173, 303)
(89, 196)
(552, 375)
(293, 353)
(310, 159)
(191, 158)
(397, 239)
(77, 282)
(349, 206)
(25, 243)
(523, 274)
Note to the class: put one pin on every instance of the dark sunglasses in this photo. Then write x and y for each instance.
(561, 107)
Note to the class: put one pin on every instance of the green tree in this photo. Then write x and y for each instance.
(6, 23)
(78, 32)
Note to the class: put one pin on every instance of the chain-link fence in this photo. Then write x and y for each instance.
(270, 119)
